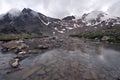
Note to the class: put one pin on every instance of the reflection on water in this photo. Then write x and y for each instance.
(91, 62)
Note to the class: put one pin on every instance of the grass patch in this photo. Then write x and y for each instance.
(8, 37)
(112, 33)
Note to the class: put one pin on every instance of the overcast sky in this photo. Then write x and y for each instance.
(61, 8)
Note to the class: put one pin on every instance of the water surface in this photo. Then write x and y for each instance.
(92, 61)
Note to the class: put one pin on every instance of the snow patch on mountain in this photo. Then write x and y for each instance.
(44, 22)
(94, 15)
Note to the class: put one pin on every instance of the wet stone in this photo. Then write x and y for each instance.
(41, 72)
(74, 64)
(56, 77)
(30, 72)
(89, 75)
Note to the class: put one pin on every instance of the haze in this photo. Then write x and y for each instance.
(62, 8)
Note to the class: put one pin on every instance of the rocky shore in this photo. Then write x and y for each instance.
(56, 58)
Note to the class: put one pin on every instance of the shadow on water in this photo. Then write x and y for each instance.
(91, 62)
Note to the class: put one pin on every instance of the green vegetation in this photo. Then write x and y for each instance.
(8, 37)
(112, 34)
(9, 32)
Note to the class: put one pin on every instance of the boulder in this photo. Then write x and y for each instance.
(4, 49)
(105, 38)
(42, 47)
(22, 46)
(10, 45)
(14, 63)
(22, 52)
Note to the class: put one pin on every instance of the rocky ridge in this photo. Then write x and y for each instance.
(30, 21)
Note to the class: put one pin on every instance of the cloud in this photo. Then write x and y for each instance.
(61, 8)
(115, 9)
(14, 12)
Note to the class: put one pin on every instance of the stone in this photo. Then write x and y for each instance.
(4, 49)
(105, 38)
(14, 63)
(30, 72)
(33, 51)
(10, 45)
(41, 71)
(89, 75)
(42, 47)
(46, 78)
(22, 52)
(22, 46)
(56, 77)
(74, 64)
(20, 41)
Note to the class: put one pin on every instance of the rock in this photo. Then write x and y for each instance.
(41, 72)
(33, 51)
(4, 49)
(1, 42)
(89, 75)
(20, 57)
(14, 70)
(22, 52)
(56, 77)
(42, 47)
(53, 38)
(30, 72)
(22, 46)
(15, 45)
(74, 64)
(17, 51)
(20, 41)
(15, 63)
(10, 45)
(105, 38)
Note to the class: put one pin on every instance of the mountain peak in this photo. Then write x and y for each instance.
(69, 18)
(94, 15)
(97, 16)
(26, 10)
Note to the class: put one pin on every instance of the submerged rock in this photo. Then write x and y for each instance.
(14, 63)
(4, 49)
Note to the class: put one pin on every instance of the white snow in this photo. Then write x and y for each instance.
(95, 27)
(70, 28)
(56, 28)
(95, 14)
(88, 24)
(61, 31)
(75, 26)
(44, 22)
(53, 33)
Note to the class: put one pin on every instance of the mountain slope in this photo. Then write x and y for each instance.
(29, 21)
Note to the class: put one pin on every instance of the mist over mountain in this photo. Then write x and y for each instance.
(62, 8)
(29, 21)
